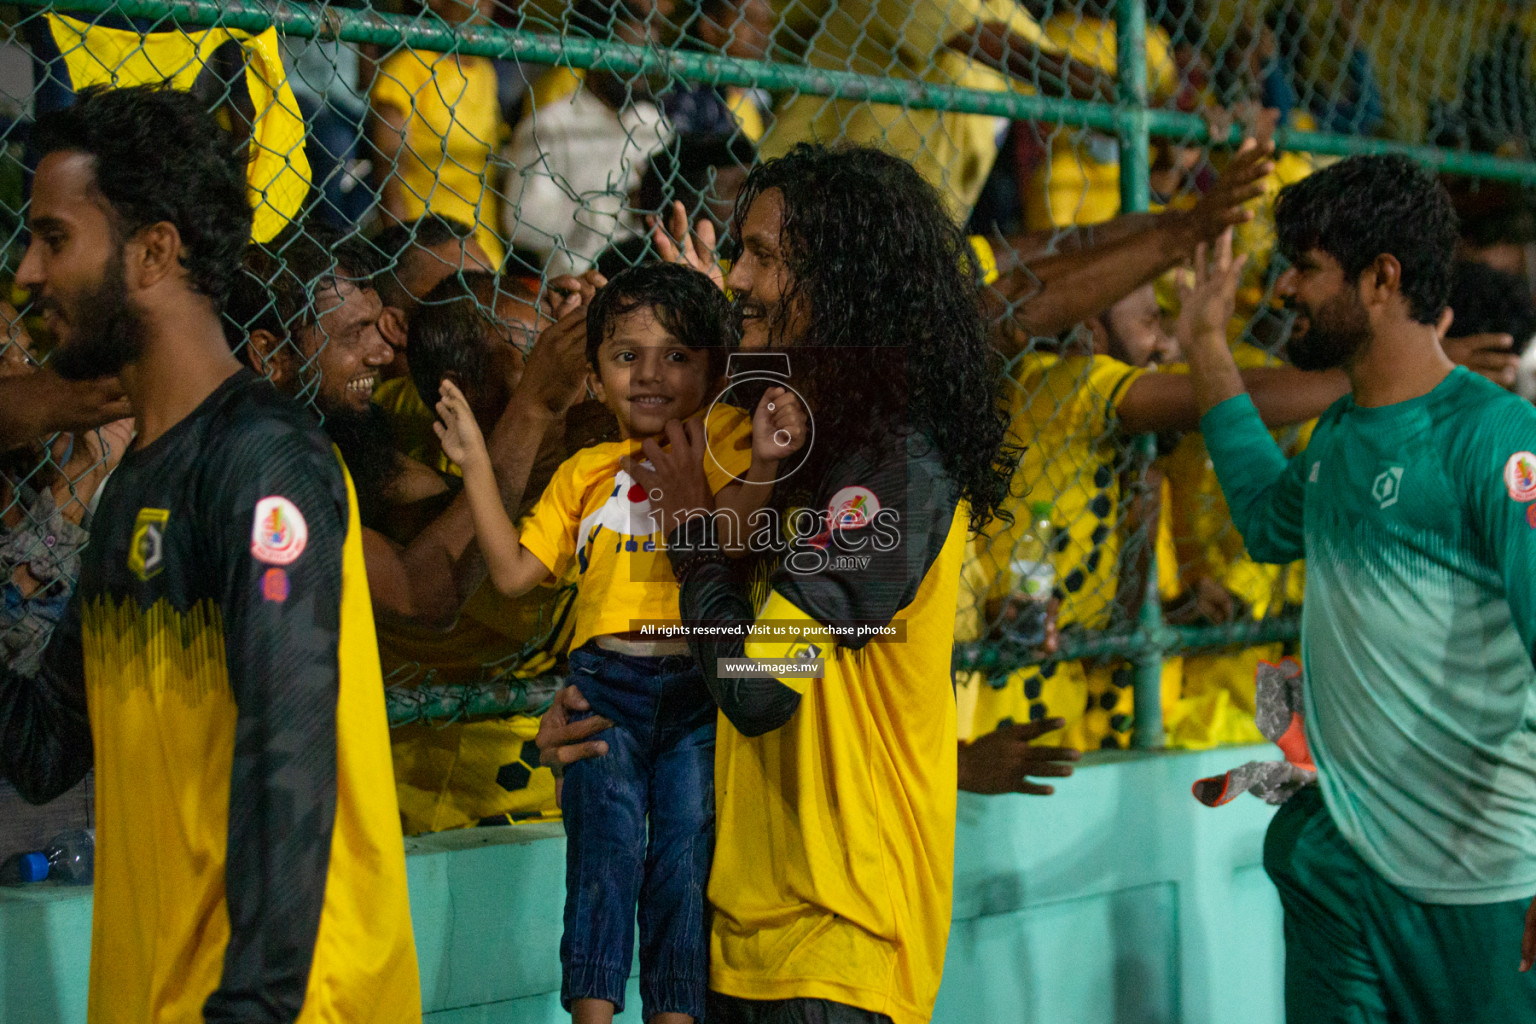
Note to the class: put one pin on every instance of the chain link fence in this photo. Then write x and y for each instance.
(456, 156)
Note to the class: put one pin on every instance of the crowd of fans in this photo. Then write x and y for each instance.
(453, 190)
(467, 212)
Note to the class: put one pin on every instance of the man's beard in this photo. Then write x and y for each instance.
(106, 334)
(1336, 335)
(369, 452)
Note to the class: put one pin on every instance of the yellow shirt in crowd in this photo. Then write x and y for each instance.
(595, 516)
(459, 774)
(1079, 183)
(906, 39)
(453, 125)
(1062, 412)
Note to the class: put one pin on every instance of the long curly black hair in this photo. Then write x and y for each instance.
(896, 336)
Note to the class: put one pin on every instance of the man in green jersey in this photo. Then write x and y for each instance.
(1405, 873)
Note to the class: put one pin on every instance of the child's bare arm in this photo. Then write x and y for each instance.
(514, 570)
(779, 429)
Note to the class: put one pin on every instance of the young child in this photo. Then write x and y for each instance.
(657, 339)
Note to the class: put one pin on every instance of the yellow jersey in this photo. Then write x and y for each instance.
(594, 516)
(452, 126)
(835, 830)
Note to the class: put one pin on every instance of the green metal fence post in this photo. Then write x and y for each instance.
(1134, 125)
(1135, 196)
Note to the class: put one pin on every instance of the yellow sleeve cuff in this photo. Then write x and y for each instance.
(986, 259)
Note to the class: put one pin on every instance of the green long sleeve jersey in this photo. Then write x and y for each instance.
(1419, 530)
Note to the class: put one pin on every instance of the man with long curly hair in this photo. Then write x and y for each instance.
(833, 866)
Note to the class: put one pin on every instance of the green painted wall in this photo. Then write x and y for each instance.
(1119, 900)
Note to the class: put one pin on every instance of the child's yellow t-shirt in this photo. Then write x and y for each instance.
(594, 513)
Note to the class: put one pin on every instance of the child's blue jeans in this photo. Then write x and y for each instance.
(660, 768)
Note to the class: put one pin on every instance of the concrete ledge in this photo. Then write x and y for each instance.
(1120, 899)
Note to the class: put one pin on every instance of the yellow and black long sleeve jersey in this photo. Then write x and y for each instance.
(218, 663)
(835, 797)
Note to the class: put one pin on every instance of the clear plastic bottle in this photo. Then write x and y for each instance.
(72, 856)
(1034, 578)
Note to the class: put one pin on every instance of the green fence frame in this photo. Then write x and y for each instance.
(1133, 123)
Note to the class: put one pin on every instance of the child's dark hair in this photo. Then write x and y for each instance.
(688, 305)
(446, 337)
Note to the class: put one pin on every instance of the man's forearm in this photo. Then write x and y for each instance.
(1283, 395)
(19, 420)
(1055, 292)
(1213, 371)
(992, 44)
(443, 568)
(41, 403)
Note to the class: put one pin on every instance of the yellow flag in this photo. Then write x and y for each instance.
(278, 171)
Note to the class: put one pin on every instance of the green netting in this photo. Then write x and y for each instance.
(546, 132)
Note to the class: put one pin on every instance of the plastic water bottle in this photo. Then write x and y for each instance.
(70, 859)
(1034, 578)
(72, 856)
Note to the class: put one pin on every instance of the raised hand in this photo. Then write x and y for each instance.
(1206, 308)
(555, 371)
(780, 426)
(457, 430)
(1225, 204)
(676, 244)
(570, 292)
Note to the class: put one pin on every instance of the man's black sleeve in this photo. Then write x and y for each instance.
(277, 516)
(857, 559)
(45, 734)
(714, 589)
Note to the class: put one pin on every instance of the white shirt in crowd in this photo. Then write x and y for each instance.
(574, 163)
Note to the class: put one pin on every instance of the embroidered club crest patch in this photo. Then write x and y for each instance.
(1520, 476)
(146, 549)
(851, 508)
(279, 533)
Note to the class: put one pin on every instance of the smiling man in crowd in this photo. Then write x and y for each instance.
(307, 315)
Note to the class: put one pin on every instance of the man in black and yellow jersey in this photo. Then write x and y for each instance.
(217, 661)
(835, 797)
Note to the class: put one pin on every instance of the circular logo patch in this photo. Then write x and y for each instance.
(851, 508)
(279, 533)
(1520, 476)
